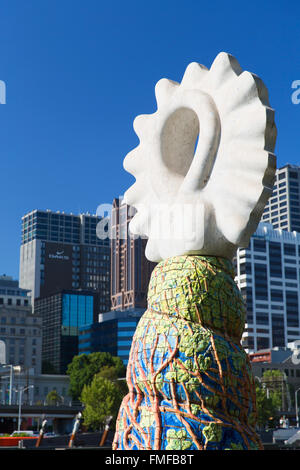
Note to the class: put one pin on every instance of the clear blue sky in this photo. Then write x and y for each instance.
(78, 72)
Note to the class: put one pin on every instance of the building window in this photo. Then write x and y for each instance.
(259, 245)
(290, 273)
(289, 250)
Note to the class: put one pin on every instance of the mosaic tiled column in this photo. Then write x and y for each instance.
(190, 381)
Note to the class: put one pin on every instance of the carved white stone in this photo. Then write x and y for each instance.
(207, 200)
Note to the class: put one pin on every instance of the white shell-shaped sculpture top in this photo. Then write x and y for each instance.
(205, 166)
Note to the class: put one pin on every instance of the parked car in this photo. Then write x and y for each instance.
(25, 433)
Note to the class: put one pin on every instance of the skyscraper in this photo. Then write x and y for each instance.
(62, 314)
(62, 251)
(268, 275)
(130, 269)
(283, 208)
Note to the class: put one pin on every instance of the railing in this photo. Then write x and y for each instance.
(65, 404)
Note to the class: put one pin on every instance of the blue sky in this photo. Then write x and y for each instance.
(78, 72)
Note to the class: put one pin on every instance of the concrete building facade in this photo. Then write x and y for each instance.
(20, 329)
(130, 269)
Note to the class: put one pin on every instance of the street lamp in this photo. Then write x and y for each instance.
(264, 386)
(12, 369)
(296, 405)
(21, 390)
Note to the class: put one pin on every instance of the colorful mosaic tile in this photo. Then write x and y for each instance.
(190, 381)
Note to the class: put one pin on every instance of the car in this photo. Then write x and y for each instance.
(24, 433)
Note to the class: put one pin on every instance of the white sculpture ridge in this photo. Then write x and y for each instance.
(206, 201)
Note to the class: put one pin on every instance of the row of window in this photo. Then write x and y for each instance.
(18, 302)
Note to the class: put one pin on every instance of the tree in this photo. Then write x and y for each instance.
(266, 410)
(274, 381)
(271, 397)
(101, 398)
(53, 398)
(84, 367)
(111, 373)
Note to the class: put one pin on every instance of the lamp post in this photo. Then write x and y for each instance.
(21, 390)
(296, 405)
(12, 369)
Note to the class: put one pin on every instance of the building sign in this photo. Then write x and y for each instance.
(59, 255)
(58, 266)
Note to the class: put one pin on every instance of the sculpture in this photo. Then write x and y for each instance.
(190, 382)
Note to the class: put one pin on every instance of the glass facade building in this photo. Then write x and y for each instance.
(60, 227)
(77, 311)
(268, 275)
(63, 314)
(113, 333)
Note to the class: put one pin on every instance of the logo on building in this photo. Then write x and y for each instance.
(59, 255)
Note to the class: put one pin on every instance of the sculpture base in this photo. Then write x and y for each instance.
(190, 381)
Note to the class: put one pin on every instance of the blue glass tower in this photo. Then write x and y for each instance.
(63, 314)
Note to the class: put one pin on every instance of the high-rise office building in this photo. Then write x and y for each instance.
(113, 333)
(130, 269)
(62, 251)
(268, 275)
(20, 329)
(283, 208)
(62, 314)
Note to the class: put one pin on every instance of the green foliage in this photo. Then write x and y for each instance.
(101, 399)
(272, 374)
(53, 398)
(266, 407)
(112, 373)
(84, 367)
(274, 382)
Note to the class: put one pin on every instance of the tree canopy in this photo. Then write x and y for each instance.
(53, 398)
(266, 408)
(84, 367)
(101, 399)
